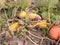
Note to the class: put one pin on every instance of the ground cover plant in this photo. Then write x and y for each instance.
(29, 22)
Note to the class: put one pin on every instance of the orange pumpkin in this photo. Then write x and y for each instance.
(54, 32)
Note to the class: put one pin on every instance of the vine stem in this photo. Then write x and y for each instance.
(38, 36)
(49, 13)
(6, 17)
(31, 40)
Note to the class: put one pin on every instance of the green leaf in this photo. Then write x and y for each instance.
(21, 22)
(26, 19)
(45, 3)
(22, 4)
(55, 17)
(23, 32)
(1, 21)
(9, 5)
(44, 15)
(2, 4)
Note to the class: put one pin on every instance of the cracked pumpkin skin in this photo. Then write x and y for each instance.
(54, 32)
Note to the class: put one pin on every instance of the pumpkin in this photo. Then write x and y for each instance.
(55, 32)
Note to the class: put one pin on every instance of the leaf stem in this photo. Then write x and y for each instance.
(49, 14)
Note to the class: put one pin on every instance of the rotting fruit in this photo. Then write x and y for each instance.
(54, 32)
(22, 14)
(14, 26)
